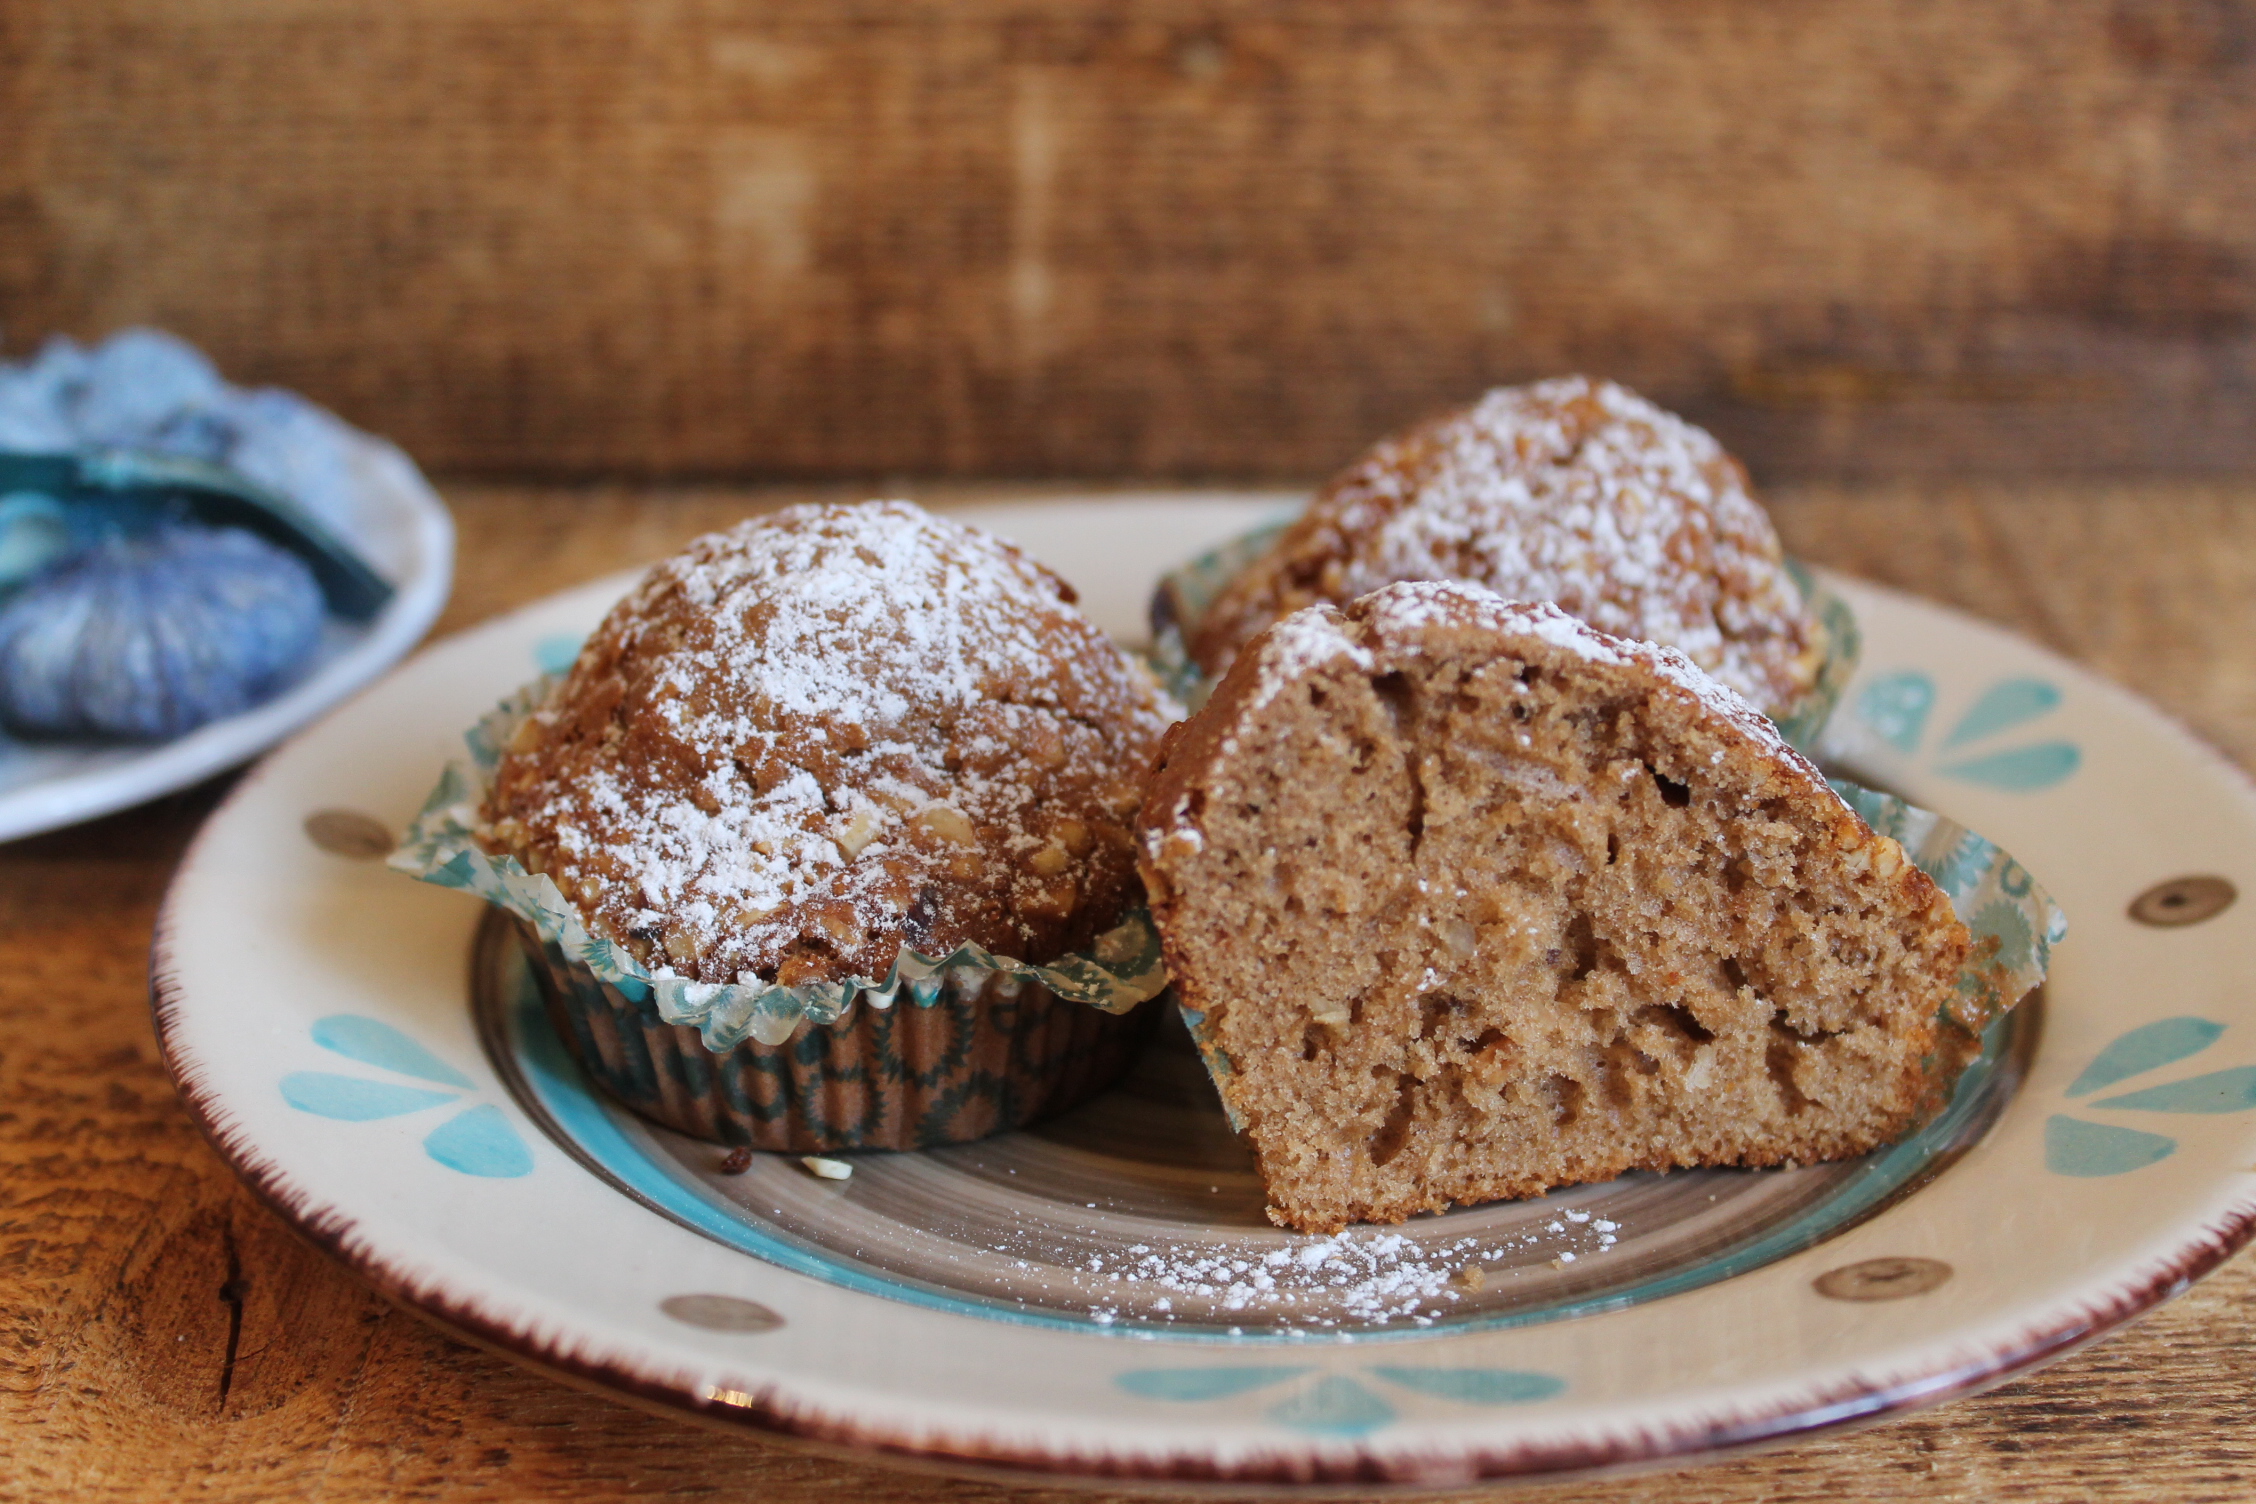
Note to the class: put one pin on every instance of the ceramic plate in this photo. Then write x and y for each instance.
(401, 528)
(1100, 1298)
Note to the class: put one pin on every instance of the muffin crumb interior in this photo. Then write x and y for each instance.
(1478, 902)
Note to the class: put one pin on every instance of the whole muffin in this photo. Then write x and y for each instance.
(807, 742)
(1574, 491)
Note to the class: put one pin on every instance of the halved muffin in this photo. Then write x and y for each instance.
(1468, 900)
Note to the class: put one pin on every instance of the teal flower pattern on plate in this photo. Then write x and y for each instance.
(1895, 709)
(477, 1141)
(557, 652)
(2075, 1146)
(1335, 1404)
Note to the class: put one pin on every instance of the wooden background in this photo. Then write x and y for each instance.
(561, 239)
(1175, 236)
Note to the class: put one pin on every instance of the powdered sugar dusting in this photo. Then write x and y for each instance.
(791, 727)
(1397, 614)
(1394, 622)
(1574, 491)
(1301, 644)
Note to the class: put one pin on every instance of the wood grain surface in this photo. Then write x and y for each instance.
(1184, 236)
(162, 1337)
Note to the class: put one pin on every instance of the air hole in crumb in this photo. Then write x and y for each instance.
(1676, 1023)
(1394, 1133)
(1779, 1061)
(1796, 1032)
(1734, 973)
(1394, 693)
(1435, 1010)
(1672, 792)
(1317, 698)
(1623, 1065)
(1613, 848)
(1582, 948)
(1566, 1100)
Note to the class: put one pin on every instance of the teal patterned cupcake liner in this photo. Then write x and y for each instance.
(2014, 922)
(1186, 591)
(989, 1053)
(1121, 969)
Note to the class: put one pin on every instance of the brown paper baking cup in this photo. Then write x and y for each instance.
(990, 1053)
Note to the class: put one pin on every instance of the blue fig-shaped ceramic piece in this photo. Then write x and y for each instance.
(35, 531)
(148, 634)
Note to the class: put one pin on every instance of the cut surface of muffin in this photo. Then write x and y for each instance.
(803, 742)
(1571, 490)
(1471, 901)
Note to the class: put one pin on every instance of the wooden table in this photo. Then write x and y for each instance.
(163, 1337)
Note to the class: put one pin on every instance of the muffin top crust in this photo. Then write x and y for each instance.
(1574, 491)
(823, 734)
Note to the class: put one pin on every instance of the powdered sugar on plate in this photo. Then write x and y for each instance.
(1360, 1278)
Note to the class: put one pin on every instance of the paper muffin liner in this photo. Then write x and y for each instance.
(1186, 591)
(990, 1052)
(1121, 969)
(2014, 921)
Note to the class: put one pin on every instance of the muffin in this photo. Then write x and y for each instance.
(1467, 900)
(1573, 491)
(802, 749)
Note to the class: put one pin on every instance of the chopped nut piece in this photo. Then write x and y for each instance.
(948, 823)
(860, 829)
(1054, 900)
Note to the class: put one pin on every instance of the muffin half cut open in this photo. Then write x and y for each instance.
(1468, 900)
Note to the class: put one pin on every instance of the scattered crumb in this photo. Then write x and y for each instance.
(827, 1169)
(736, 1161)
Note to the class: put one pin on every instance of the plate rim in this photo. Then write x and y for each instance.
(2086, 1314)
(1848, 1406)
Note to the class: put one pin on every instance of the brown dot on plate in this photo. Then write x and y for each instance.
(2183, 900)
(720, 1313)
(349, 833)
(1882, 1279)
